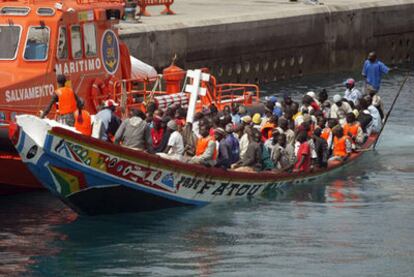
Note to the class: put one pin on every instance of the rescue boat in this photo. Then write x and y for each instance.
(40, 39)
(78, 38)
(95, 177)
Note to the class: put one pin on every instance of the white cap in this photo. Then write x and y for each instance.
(337, 98)
(311, 94)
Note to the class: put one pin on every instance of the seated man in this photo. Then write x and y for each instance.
(206, 151)
(339, 109)
(175, 145)
(342, 145)
(321, 149)
(352, 128)
(224, 150)
(132, 130)
(303, 156)
(252, 160)
(283, 154)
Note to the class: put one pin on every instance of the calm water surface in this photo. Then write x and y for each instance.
(358, 223)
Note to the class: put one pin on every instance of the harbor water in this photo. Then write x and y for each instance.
(359, 222)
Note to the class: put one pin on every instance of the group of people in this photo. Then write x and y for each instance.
(285, 136)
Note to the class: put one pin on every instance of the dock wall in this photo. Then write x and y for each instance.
(272, 47)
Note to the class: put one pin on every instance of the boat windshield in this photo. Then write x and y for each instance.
(37, 43)
(9, 41)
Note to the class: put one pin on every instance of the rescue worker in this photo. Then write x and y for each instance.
(83, 122)
(66, 99)
(342, 145)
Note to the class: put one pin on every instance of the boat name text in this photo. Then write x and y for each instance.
(78, 66)
(22, 94)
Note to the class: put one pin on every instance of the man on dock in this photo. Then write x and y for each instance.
(373, 71)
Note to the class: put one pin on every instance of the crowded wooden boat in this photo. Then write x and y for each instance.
(164, 158)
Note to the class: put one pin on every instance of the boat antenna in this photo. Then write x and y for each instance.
(390, 110)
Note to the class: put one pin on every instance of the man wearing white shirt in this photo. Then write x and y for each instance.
(352, 94)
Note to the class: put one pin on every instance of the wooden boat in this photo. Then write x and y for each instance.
(95, 177)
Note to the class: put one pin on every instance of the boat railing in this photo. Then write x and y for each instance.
(85, 2)
(230, 93)
(137, 93)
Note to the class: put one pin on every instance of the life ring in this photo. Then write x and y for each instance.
(99, 92)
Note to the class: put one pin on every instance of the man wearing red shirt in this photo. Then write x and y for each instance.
(303, 161)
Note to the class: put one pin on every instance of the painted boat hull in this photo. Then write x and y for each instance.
(95, 177)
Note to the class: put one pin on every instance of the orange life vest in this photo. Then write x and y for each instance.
(339, 148)
(67, 100)
(351, 129)
(85, 127)
(325, 133)
(202, 144)
(267, 130)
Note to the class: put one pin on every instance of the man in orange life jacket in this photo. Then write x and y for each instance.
(342, 145)
(352, 128)
(67, 101)
(206, 149)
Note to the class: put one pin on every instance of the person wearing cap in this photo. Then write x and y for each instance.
(233, 144)
(83, 122)
(132, 130)
(339, 109)
(175, 145)
(67, 101)
(352, 94)
(372, 71)
(257, 120)
(223, 155)
(109, 120)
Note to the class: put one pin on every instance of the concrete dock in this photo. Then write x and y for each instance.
(265, 40)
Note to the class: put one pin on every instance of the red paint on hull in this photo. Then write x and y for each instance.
(15, 176)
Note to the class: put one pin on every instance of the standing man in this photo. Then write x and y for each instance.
(372, 72)
(67, 100)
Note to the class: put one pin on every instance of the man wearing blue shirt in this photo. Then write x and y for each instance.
(373, 71)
